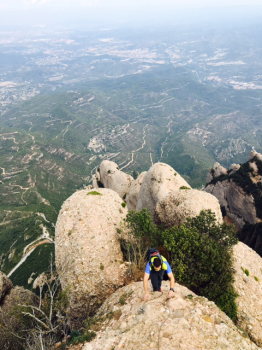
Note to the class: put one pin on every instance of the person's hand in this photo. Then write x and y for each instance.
(146, 296)
(171, 294)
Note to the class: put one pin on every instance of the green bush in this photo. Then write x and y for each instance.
(200, 254)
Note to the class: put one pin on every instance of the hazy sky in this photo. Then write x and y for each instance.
(62, 11)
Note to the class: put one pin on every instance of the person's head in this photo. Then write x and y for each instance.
(157, 264)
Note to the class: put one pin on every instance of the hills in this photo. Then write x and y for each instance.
(71, 98)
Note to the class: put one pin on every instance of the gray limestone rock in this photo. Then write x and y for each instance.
(132, 196)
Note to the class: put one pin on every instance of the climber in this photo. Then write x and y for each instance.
(155, 268)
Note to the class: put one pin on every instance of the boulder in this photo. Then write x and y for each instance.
(186, 321)
(132, 196)
(234, 167)
(253, 154)
(177, 206)
(215, 171)
(5, 285)
(248, 285)
(88, 254)
(158, 182)
(111, 177)
(10, 317)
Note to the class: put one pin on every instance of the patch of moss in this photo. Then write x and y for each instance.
(94, 193)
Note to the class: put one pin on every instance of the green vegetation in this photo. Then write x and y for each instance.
(94, 193)
(184, 188)
(245, 271)
(256, 278)
(200, 253)
(123, 204)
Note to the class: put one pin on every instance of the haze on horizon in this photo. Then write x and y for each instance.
(99, 12)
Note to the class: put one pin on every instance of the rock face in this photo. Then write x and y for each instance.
(240, 207)
(248, 285)
(216, 171)
(132, 196)
(5, 285)
(10, 323)
(111, 177)
(158, 182)
(184, 322)
(177, 206)
(88, 254)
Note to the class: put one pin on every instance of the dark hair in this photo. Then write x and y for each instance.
(157, 262)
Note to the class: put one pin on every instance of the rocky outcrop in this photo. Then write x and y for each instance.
(177, 206)
(5, 285)
(248, 285)
(239, 191)
(111, 177)
(158, 182)
(184, 322)
(239, 206)
(132, 196)
(88, 254)
(11, 322)
(215, 171)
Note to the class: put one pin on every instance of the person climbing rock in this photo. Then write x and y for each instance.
(155, 269)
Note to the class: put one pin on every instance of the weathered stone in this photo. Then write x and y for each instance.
(5, 285)
(249, 290)
(111, 177)
(158, 182)
(239, 206)
(88, 254)
(156, 327)
(11, 323)
(177, 206)
(132, 196)
(215, 171)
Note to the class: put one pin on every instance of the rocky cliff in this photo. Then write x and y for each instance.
(239, 191)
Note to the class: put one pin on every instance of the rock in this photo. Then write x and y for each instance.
(158, 182)
(160, 323)
(111, 177)
(5, 285)
(215, 171)
(10, 321)
(253, 154)
(249, 290)
(88, 254)
(234, 167)
(132, 196)
(177, 206)
(239, 206)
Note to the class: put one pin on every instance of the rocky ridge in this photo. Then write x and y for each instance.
(184, 322)
(238, 190)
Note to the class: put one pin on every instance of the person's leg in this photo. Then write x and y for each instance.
(160, 278)
(156, 279)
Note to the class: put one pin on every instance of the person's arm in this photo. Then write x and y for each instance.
(172, 284)
(146, 278)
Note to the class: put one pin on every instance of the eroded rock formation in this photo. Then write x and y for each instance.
(158, 182)
(88, 254)
(111, 177)
(177, 206)
(132, 196)
(248, 285)
(184, 322)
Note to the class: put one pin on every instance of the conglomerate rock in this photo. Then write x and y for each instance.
(5, 285)
(160, 180)
(88, 254)
(111, 177)
(184, 322)
(177, 206)
(132, 196)
(248, 285)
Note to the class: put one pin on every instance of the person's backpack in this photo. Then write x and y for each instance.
(153, 253)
